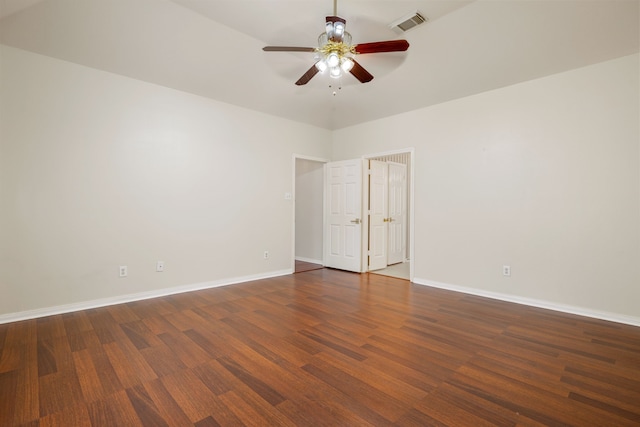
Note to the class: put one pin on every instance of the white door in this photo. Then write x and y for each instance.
(397, 213)
(378, 213)
(343, 216)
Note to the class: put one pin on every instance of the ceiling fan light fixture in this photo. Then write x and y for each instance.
(322, 65)
(323, 39)
(338, 30)
(346, 64)
(329, 29)
(333, 60)
(335, 51)
(346, 38)
(334, 28)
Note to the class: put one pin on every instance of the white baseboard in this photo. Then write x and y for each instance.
(103, 302)
(581, 311)
(312, 261)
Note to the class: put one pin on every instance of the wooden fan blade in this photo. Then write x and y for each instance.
(360, 73)
(288, 49)
(307, 76)
(385, 46)
(336, 19)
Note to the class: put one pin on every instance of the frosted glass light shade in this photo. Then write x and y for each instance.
(346, 64)
(321, 65)
(333, 60)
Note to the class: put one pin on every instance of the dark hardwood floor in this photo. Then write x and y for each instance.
(320, 348)
(302, 266)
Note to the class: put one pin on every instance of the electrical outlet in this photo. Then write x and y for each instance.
(160, 266)
(123, 271)
(506, 270)
(266, 255)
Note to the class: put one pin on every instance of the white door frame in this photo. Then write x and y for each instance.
(293, 204)
(365, 204)
(410, 192)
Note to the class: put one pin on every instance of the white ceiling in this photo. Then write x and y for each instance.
(213, 47)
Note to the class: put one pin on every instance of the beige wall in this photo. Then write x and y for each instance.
(99, 170)
(543, 176)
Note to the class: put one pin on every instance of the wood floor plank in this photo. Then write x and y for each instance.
(129, 365)
(207, 422)
(320, 348)
(162, 359)
(158, 324)
(8, 393)
(150, 308)
(59, 390)
(11, 357)
(50, 327)
(107, 375)
(598, 402)
(76, 322)
(182, 346)
(380, 402)
(191, 395)
(166, 405)
(115, 410)
(90, 383)
(245, 413)
(380, 380)
(444, 408)
(75, 415)
(216, 378)
(255, 336)
(478, 404)
(123, 313)
(46, 358)
(609, 394)
(27, 397)
(333, 344)
(258, 386)
(144, 407)
(518, 396)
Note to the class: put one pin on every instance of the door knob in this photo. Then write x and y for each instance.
(356, 221)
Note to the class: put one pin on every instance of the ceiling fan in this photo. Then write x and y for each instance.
(335, 52)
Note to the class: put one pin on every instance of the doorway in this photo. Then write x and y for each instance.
(308, 193)
(356, 232)
(390, 214)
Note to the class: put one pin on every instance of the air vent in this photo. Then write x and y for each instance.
(407, 22)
